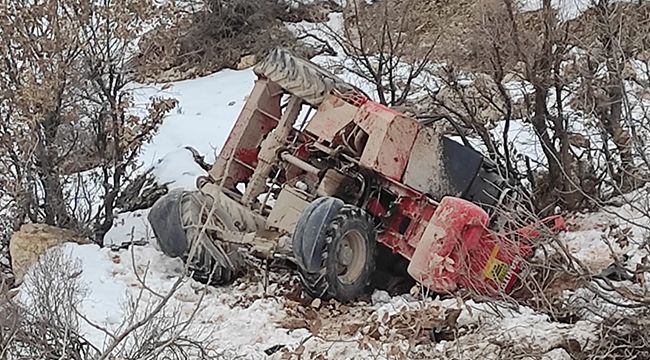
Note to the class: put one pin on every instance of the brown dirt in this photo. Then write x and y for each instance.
(332, 320)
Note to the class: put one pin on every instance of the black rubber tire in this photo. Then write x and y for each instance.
(326, 283)
(205, 268)
(214, 262)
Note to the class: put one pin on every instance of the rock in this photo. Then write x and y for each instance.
(557, 354)
(316, 303)
(380, 297)
(32, 240)
(246, 61)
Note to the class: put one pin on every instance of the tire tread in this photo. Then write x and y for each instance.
(322, 284)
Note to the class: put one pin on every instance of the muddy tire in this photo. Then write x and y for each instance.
(213, 261)
(206, 267)
(300, 77)
(347, 257)
(177, 220)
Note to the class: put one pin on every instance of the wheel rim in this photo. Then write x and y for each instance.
(351, 256)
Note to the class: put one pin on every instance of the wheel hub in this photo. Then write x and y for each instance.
(346, 254)
(351, 256)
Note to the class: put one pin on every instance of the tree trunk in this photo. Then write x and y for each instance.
(612, 121)
(56, 212)
(611, 114)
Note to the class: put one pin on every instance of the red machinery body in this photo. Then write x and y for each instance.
(449, 245)
(397, 159)
(457, 249)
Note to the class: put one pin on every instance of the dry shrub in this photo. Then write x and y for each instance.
(5, 259)
(384, 47)
(623, 337)
(232, 29)
(219, 34)
(46, 325)
(72, 113)
(43, 321)
(569, 80)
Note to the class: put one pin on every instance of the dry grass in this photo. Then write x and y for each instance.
(219, 34)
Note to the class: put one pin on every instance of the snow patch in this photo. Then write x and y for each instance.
(567, 9)
(207, 109)
(130, 226)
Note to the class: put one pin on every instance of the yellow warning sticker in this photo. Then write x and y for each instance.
(496, 269)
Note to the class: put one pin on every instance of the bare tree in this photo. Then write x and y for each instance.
(613, 39)
(516, 72)
(383, 44)
(66, 108)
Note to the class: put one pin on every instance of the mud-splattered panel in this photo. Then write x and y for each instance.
(426, 168)
(332, 116)
(390, 139)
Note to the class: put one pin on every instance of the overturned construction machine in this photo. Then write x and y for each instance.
(339, 183)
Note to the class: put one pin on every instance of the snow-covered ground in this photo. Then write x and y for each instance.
(110, 282)
(243, 320)
(207, 109)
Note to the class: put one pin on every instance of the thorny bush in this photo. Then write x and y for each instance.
(216, 34)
